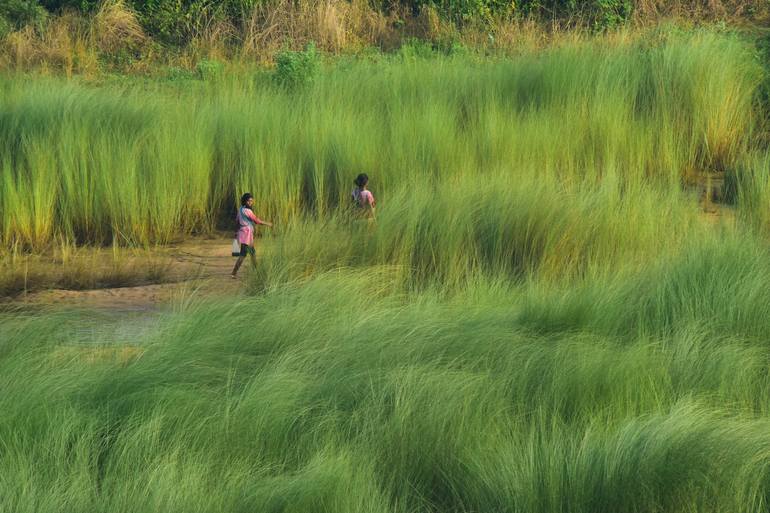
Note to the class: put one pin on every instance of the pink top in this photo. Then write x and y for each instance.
(247, 220)
(363, 198)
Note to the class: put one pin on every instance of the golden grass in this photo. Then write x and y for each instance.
(334, 25)
(56, 48)
(734, 11)
(115, 27)
(72, 43)
(66, 266)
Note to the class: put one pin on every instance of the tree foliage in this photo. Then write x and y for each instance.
(174, 21)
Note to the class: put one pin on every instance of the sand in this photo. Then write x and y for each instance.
(196, 268)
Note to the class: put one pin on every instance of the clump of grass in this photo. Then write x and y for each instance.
(115, 28)
(332, 24)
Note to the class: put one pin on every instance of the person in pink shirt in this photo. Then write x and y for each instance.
(363, 199)
(247, 222)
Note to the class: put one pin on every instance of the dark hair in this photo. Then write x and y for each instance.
(361, 180)
(246, 197)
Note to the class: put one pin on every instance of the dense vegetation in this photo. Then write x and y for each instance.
(90, 37)
(539, 320)
(177, 21)
(646, 392)
(624, 121)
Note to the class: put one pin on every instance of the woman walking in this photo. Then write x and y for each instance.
(363, 199)
(247, 222)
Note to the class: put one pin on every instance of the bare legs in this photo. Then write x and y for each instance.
(240, 260)
(238, 264)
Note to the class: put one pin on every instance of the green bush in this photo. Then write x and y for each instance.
(611, 13)
(465, 10)
(15, 14)
(175, 73)
(413, 49)
(78, 5)
(601, 13)
(416, 49)
(297, 69)
(209, 69)
(176, 21)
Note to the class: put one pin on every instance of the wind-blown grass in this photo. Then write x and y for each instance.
(538, 320)
(342, 396)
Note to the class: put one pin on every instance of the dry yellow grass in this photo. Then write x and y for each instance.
(72, 43)
(63, 45)
(735, 11)
(334, 25)
(116, 27)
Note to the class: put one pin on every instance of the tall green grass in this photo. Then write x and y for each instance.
(456, 233)
(143, 162)
(539, 320)
(639, 392)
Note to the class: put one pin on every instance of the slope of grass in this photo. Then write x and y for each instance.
(639, 392)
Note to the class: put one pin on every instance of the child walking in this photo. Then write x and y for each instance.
(247, 221)
(362, 197)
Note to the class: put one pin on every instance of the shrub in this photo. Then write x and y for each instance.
(601, 13)
(209, 69)
(178, 21)
(297, 69)
(610, 13)
(176, 73)
(77, 5)
(174, 22)
(466, 10)
(416, 49)
(14, 14)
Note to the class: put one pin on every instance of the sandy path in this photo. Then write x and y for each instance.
(197, 267)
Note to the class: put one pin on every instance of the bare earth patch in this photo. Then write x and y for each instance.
(193, 267)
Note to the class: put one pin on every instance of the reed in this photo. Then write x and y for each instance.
(140, 162)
